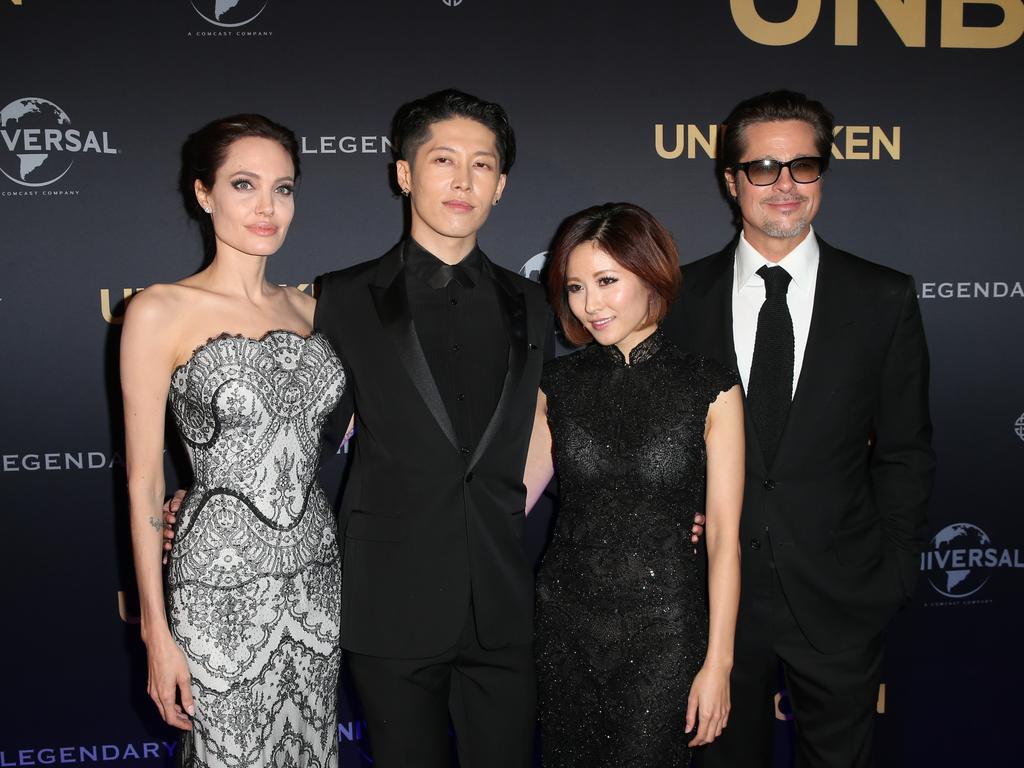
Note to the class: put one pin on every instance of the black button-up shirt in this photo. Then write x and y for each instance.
(460, 327)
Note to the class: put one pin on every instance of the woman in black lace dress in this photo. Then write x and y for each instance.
(643, 436)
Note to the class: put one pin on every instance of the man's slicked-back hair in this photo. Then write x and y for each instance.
(773, 107)
(411, 125)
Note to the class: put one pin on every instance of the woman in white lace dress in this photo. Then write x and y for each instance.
(242, 642)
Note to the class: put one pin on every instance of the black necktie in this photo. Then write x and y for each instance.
(447, 272)
(771, 371)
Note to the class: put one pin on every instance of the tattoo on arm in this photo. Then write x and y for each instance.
(157, 523)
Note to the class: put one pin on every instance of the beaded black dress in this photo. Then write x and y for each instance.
(621, 626)
(254, 578)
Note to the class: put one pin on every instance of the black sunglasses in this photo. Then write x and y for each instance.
(762, 173)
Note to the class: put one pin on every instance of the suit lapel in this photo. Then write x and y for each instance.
(717, 295)
(513, 310)
(392, 304)
(835, 309)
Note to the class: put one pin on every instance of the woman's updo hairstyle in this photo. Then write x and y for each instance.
(205, 150)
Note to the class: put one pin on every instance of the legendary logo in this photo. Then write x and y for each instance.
(452, 3)
(968, 289)
(345, 145)
(91, 754)
(39, 145)
(962, 558)
(534, 266)
(229, 13)
(59, 461)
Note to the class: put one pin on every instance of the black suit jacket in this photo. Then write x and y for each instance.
(842, 510)
(426, 528)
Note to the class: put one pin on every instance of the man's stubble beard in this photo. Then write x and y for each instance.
(775, 229)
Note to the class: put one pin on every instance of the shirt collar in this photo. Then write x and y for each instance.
(425, 265)
(801, 263)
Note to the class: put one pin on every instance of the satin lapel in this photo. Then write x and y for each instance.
(718, 304)
(392, 304)
(835, 308)
(513, 306)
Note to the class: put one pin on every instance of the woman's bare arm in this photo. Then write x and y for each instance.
(709, 696)
(148, 353)
(539, 465)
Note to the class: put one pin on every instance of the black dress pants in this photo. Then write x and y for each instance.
(490, 696)
(833, 696)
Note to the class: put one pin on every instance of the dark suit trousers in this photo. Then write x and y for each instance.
(833, 696)
(490, 695)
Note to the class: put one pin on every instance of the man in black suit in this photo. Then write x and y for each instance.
(444, 351)
(832, 354)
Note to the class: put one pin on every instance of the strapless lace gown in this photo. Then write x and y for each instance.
(621, 594)
(254, 579)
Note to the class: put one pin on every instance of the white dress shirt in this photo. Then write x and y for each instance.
(748, 294)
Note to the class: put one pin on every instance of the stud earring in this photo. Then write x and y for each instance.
(207, 209)
(405, 193)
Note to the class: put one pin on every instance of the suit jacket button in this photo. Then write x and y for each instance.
(469, 478)
(769, 484)
(755, 543)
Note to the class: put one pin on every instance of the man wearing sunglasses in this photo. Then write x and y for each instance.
(839, 465)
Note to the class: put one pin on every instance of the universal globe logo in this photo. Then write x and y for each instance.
(229, 13)
(1018, 426)
(962, 558)
(39, 145)
(534, 266)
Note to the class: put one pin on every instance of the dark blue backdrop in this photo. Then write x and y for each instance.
(611, 101)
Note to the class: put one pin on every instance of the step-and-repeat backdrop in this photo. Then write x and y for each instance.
(611, 100)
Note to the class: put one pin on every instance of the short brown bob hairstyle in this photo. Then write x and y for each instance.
(632, 237)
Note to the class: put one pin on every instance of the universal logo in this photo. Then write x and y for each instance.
(784, 709)
(850, 142)
(534, 266)
(966, 289)
(961, 561)
(452, 3)
(908, 20)
(39, 146)
(114, 301)
(228, 16)
(1018, 427)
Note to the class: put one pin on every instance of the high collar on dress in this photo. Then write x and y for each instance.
(640, 354)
